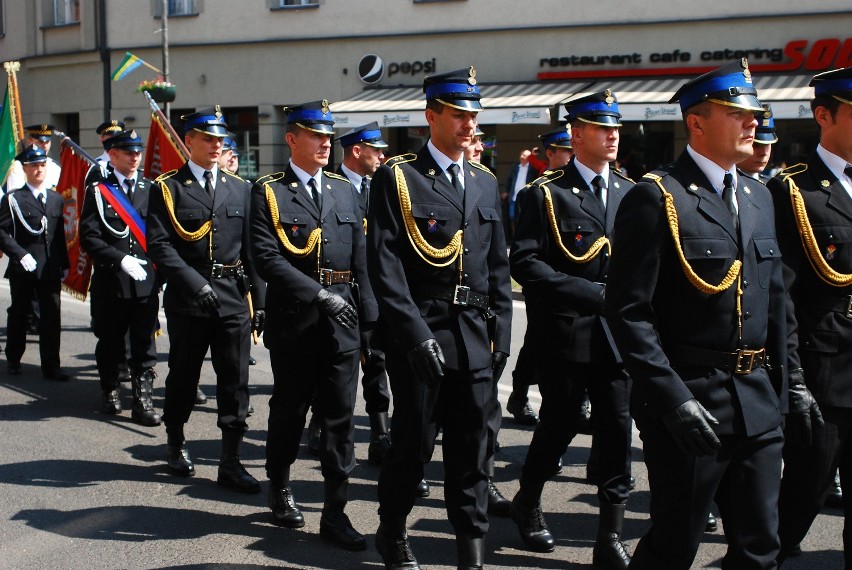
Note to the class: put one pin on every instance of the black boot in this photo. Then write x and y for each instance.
(526, 512)
(112, 401)
(609, 552)
(498, 505)
(178, 458)
(392, 545)
(314, 436)
(379, 438)
(471, 551)
(335, 526)
(231, 472)
(143, 408)
(283, 505)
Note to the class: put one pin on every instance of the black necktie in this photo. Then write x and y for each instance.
(208, 182)
(128, 182)
(365, 186)
(315, 194)
(453, 169)
(42, 198)
(598, 185)
(728, 197)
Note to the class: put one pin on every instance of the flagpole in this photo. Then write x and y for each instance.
(65, 139)
(12, 67)
(168, 126)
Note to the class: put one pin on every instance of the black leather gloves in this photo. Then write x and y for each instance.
(689, 424)
(337, 308)
(498, 363)
(804, 412)
(258, 321)
(207, 299)
(427, 362)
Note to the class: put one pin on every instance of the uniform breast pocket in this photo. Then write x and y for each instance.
(489, 220)
(578, 233)
(710, 257)
(834, 242)
(346, 225)
(766, 250)
(190, 218)
(431, 219)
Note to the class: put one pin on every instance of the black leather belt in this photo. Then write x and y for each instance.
(220, 271)
(743, 361)
(459, 295)
(328, 277)
(842, 305)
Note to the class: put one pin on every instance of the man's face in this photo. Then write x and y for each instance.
(473, 153)
(225, 159)
(125, 161)
(726, 134)
(558, 157)
(43, 145)
(451, 130)
(204, 149)
(35, 172)
(595, 145)
(309, 150)
(524, 157)
(836, 132)
(759, 159)
(234, 163)
(370, 159)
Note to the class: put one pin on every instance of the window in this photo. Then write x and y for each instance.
(275, 4)
(177, 7)
(66, 12)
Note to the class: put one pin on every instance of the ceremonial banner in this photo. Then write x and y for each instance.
(72, 188)
(161, 154)
(7, 137)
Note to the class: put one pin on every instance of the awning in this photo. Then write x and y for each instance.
(504, 103)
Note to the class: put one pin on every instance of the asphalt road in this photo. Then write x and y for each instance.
(83, 490)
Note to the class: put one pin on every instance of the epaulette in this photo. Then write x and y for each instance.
(166, 175)
(267, 178)
(547, 176)
(483, 168)
(621, 175)
(652, 177)
(791, 171)
(400, 159)
(335, 176)
(229, 173)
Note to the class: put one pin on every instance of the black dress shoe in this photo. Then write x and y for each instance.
(250, 410)
(179, 461)
(112, 403)
(531, 526)
(124, 374)
(200, 396)
(395, 552)
(14, 368)
(252, 361)
(498, 505)
(56, 374)
(233, 475)
(284, 510)
(522, 412)
(834, 500)
(337, 528)
(712, 524)
(422, 489)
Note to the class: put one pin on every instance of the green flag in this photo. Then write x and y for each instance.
(7, 137)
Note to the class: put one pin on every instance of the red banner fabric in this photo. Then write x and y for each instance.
(161, 154)
(71, 187)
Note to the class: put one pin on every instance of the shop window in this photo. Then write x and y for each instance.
(281, 4)
(177, 7)
(66, 12)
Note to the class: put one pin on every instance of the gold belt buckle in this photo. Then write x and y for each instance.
(745, 361)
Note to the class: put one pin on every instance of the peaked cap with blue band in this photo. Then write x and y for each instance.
(836, 83)
(765, 131)
(598, 109)
(124, 140)
(31, 155)
(455, 89)
(209, 121)
(229, 143)
(560, 138)
(39, 132)
(314, 116)
(728, 85)
(110, 127)
(369, 135)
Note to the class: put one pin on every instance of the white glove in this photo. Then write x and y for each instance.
(133, 267)
(29, 263)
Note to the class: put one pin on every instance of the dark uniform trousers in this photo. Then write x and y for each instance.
(120, 306)
(313, 357)
(43, 284)
(658, 317)
(188, 265)
(407, 288)
(571, 342)
(820, 342)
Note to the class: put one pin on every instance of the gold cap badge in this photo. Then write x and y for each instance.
(471, 75)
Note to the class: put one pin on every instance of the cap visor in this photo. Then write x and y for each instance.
(377, 144)
(765, 138)
(462, 104)
(602, 120)
(42, 138)
(321, 128)
(215, 130)
(747, 102)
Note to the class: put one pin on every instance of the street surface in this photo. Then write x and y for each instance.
(84, 490)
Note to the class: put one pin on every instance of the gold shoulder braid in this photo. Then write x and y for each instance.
(421, 246)
(590, 254)
(821, 267)
(697, 282)
(170, 207)
(313, 238)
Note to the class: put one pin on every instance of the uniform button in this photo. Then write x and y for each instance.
(347, 218)
(708, 253)
(213, 216)
(327, 261)
(745, 284)
(579, 228)
(215, 230)
(215, 246)
(431, 214)
(465, 275)
(830, 236)
(466, 251)
(771, 251)
(747, 314)
(466, 224)
(325, 240)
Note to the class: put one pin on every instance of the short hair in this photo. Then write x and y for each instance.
(701, 109)
(826, 101)
(435, 105)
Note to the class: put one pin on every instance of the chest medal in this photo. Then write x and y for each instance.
(830, 251)
(295, 230)
(432, 225)
(578, 240)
